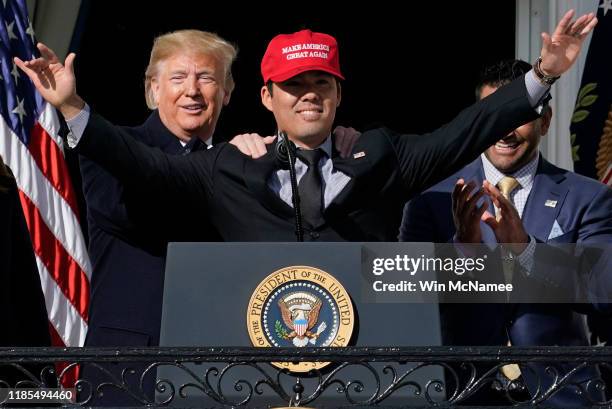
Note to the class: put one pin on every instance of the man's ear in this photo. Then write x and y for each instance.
(545, 120)
(226, 97)
(339, 93)
(266, 97)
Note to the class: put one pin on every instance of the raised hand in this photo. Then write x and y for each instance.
(53, 80)
(252, 144)
(560, 51)
(467, 213)
(508, 226)
(345, 139)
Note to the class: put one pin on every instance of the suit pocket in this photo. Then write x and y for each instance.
(568, 237)
(116, 337)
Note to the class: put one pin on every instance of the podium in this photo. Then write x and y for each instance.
(207, 291)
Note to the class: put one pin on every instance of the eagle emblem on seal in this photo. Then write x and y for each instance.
(300, 313)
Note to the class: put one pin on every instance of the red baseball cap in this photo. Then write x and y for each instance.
(288, 55)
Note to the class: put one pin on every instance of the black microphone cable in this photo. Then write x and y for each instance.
(285, 153)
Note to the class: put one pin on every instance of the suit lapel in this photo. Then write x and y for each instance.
(256, 177)
(160, 136)
(545, 201)
(355, 166)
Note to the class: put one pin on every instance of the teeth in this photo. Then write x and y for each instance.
(310, 114)
(506, 145)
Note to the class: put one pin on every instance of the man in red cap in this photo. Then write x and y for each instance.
(359, 198)
(301, 72)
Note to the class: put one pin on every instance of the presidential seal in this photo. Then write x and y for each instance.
(300, 306)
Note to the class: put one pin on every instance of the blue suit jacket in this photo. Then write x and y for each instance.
(583, 214)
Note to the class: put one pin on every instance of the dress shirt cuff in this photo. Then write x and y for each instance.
(525, 259)
(77, 126)
(536, 91)
(463, 249)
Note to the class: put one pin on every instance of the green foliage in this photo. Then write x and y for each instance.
(588, 100)
(575, 148)
(586, 89)
(584, 100)
(281, 332)
(579, 116)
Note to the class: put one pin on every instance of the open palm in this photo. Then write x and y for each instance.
(55, 81)
(560, 51)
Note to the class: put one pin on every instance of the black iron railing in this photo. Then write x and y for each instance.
(358, 377)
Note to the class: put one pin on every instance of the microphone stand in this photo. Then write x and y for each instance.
(286, 147)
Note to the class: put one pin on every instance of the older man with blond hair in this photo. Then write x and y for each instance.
(187, 83)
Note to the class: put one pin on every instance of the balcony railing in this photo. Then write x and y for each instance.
(356, 377)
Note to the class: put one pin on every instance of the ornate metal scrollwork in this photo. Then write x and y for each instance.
(237, 377)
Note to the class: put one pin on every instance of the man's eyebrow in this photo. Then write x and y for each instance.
(184, 70)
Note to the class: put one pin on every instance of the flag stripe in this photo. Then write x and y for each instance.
(55, 337)
(69, 377)
(64, 270)
(49, 120)
(66, 321)
(49, 202)
(49, 159)
(607, 177)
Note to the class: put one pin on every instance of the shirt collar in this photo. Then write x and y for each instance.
(195, 144)
(524, 175)
(326, 146)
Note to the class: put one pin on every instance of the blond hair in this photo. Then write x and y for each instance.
(191, 41)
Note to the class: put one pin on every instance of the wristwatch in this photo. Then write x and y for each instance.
(543, 78)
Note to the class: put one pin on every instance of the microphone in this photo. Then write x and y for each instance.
(285, 150)
(285, 156)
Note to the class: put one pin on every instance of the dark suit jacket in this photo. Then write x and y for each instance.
(128, 236)
(243, 208)
(23, 315)
(583, 211)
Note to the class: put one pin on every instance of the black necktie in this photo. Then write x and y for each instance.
(311, 197)
(194, 145)
(187, 149)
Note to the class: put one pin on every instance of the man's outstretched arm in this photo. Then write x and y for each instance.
(425, 160)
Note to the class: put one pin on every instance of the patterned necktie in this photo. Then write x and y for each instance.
(506, 186)
(309, 188)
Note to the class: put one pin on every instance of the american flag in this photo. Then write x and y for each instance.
(591, 123)
(607, 177)
(31, 147)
